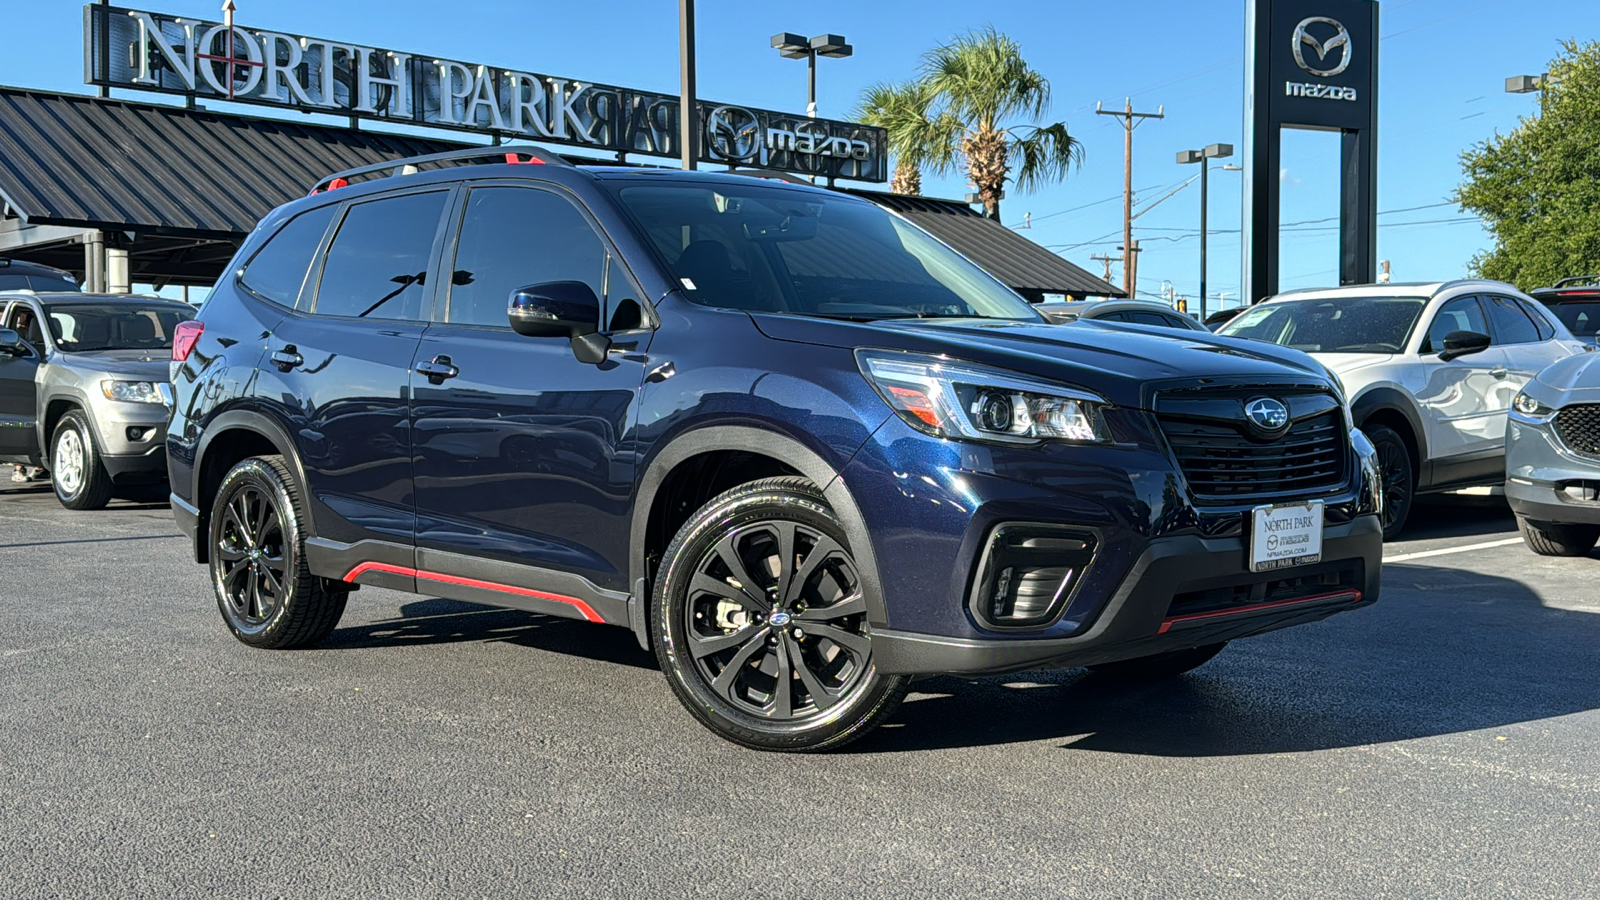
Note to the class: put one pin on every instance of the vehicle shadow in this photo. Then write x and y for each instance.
(1443, 516)
(440, 621)
(1445, 651)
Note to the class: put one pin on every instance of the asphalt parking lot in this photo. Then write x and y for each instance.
(1445, 742)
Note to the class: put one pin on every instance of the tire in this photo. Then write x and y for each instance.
(1558, 540)
(1399, 478)
(724, 651)
(267, 596)
(76, 470)
(1160, 666)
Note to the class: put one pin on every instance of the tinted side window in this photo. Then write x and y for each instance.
(1540, 321)
(14, 283)
(514, 237)
(378, 262)
(24, 322)
(1511, 323)
(1148, 318)
(1460, 314)
(279, 267)
(1112, 317)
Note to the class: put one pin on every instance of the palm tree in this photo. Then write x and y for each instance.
(981, 82)
(915, 139)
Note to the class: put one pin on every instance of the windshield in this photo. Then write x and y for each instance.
(80, 327)
(764, 249)
(1332, 325)
(1581, 317)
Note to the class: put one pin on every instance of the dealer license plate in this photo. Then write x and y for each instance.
(1288, 534)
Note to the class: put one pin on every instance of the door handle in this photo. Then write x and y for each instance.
(1499, 371)
(287, 358)
(438, 369)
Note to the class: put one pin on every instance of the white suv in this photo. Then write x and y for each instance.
(1429, 369)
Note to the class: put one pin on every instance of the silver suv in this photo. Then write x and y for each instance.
(1429, 370)
(84, 388)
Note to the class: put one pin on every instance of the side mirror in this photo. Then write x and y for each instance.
(566, 309)
(11, 343)
(1461, 343)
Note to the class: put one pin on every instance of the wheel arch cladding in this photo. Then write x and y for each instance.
(702, 464)
(231, 438)
(1387, 406)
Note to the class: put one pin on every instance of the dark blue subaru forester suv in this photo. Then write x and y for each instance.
(801, 448)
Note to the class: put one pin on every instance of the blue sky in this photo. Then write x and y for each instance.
(1442, 68)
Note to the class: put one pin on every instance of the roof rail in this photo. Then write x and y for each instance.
(771, 175)
(509, 153)
(1577, 280)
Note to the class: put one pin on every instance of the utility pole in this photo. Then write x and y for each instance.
(1108, 260)
(1130, 121)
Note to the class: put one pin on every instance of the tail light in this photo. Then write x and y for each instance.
(184, 337)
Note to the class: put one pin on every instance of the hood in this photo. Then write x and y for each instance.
(144, 365)
(1578, 376)
(1344, 363)
(1119, 364)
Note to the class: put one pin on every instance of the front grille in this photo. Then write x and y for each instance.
(1221, 459)
(1578, 427)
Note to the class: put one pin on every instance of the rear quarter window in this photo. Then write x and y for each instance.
(278, 270)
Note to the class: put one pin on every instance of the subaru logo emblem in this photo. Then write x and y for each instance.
(1340, 42)
(778, 620)
(1267, 415)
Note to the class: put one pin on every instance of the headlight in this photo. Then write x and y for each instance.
(1528, 409)
(132, 391)
(969, 402)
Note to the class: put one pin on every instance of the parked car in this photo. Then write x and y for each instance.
(84, 389)
(1553, 458)
(19, 275)
(801, 448)
(1576, 302)
(1221, 317)
(1136, 312)
(1429, 369)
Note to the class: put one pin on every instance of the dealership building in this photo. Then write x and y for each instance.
(122, 191)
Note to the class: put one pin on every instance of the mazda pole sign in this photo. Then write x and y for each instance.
(1311, 64)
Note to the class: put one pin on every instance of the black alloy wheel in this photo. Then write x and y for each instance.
(1399, 482)
(267, 596)
(762, 622)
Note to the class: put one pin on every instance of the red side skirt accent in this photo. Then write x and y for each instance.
(583, 608)
(1351, 596)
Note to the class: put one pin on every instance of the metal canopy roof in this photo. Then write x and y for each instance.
(81, 161)
(1019, 263)
(180, 188)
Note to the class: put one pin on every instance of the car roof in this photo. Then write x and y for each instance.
(1086, 307)
(1391, 289)
(12, 265)
(59, 298)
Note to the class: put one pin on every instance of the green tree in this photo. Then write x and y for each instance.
(1538, 187)
(983, 86)
(916, 139)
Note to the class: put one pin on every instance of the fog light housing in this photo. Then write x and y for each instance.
(1028, 574)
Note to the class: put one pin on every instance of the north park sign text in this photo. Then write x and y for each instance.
(140, 50)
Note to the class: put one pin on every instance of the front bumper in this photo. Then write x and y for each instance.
(1139, 620)
(1544, 481)
(133, 440)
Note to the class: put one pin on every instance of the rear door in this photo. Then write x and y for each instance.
(340, 368)
(19, 440)
(524, 470)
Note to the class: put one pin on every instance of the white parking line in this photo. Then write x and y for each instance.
(1427, 553)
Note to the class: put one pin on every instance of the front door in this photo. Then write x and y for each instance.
(523, 455)
(18, 396)
(1460, 398)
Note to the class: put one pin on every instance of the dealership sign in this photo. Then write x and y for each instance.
(150, 51)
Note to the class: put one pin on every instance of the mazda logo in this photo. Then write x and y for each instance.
(733, 132)
(1339, 42)
(1267, 415)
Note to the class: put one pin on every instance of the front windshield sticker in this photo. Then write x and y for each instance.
(688, 284)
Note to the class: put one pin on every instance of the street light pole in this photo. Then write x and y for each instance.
(1202, 156)
(687, 124)
(794, 46)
